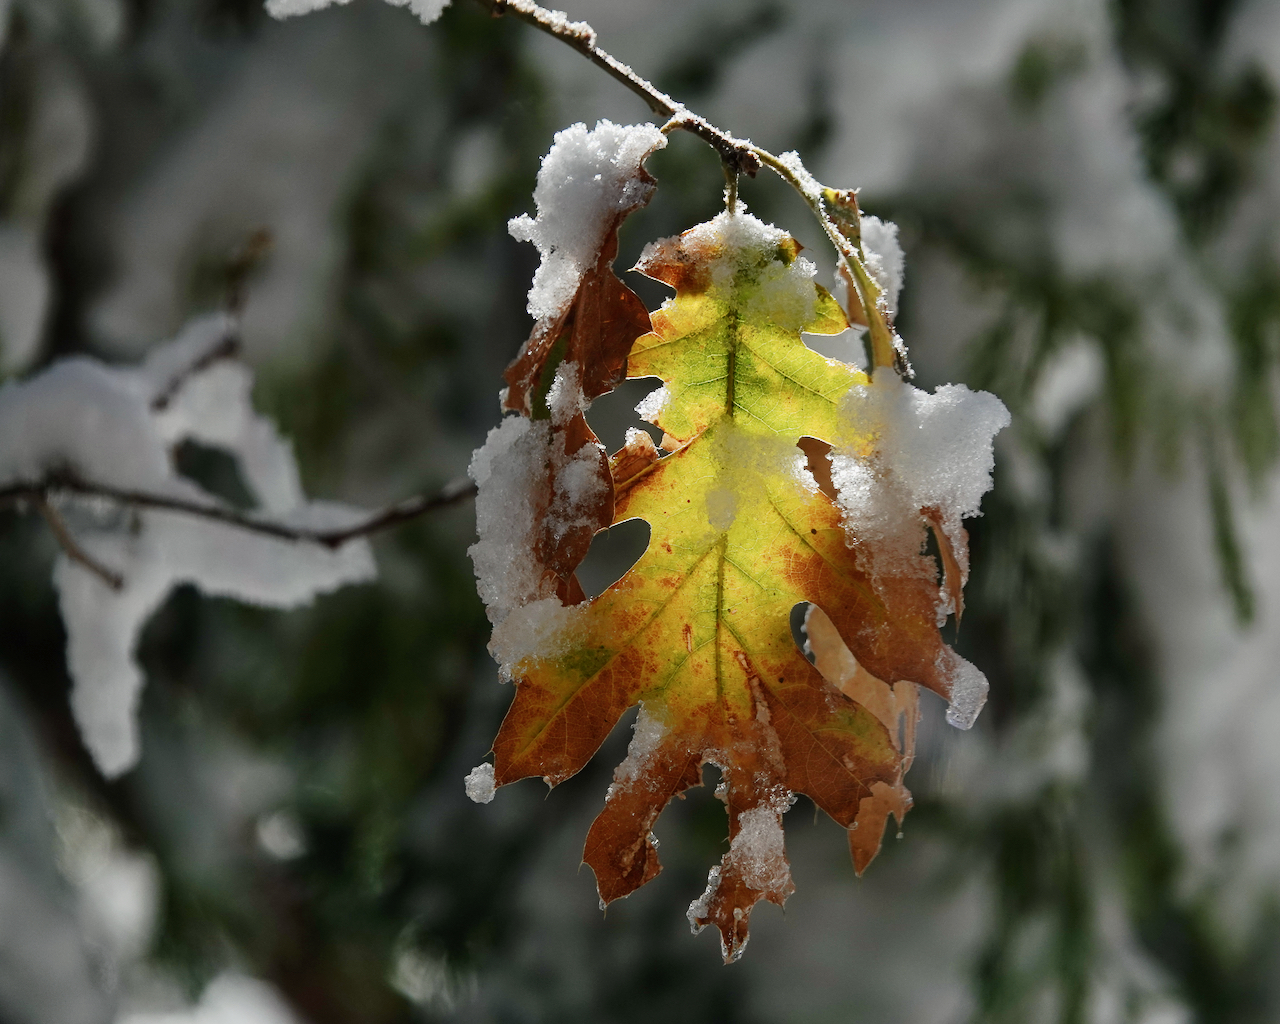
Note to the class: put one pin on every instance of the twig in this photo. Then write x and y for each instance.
(39, 492)
(246, 257)
(243, 262)
(739, 156)
(71, 547)
(737, 153)
(225, 348)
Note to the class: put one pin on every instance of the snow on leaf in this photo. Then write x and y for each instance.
(588, 184)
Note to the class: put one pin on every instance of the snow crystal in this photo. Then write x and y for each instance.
(565, 398)
(117, 426)
(884, 259)
(479, 783)
(758, 850)
(699, 908)
(557, 20)
(505, 470)
(426, 10)
(784, 294)
(587, 180)
(543, 628)
(809, 185)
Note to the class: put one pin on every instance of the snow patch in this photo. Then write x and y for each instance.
(905, 450)
(510, 469)
(651, 406)
(758, 850)
(968, 690)
(744, 254)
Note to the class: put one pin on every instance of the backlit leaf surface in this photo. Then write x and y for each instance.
(698, 631)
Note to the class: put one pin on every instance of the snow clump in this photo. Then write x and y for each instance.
(479, 783)
(587, 181)
(905, 450)
(647, 736)
(118, 427)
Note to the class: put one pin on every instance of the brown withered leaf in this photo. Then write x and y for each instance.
(595, 330)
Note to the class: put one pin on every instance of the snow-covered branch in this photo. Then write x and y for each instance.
(92, 448)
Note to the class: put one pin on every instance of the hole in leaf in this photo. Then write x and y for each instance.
(846, 346)
(215, 470)
(797, 628)
(613, 552)
(612, 414)
(818, 455)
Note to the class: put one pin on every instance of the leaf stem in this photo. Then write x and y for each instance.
(730, 189)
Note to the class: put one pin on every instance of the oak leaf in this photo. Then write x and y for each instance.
(698, 631)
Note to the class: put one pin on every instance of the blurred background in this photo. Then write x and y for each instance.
(1089, 199)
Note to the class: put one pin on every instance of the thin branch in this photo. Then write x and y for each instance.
(71, 547)
(739, 156)
(240, 264)
(227, 347)
(737, 153)
(39, 493)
